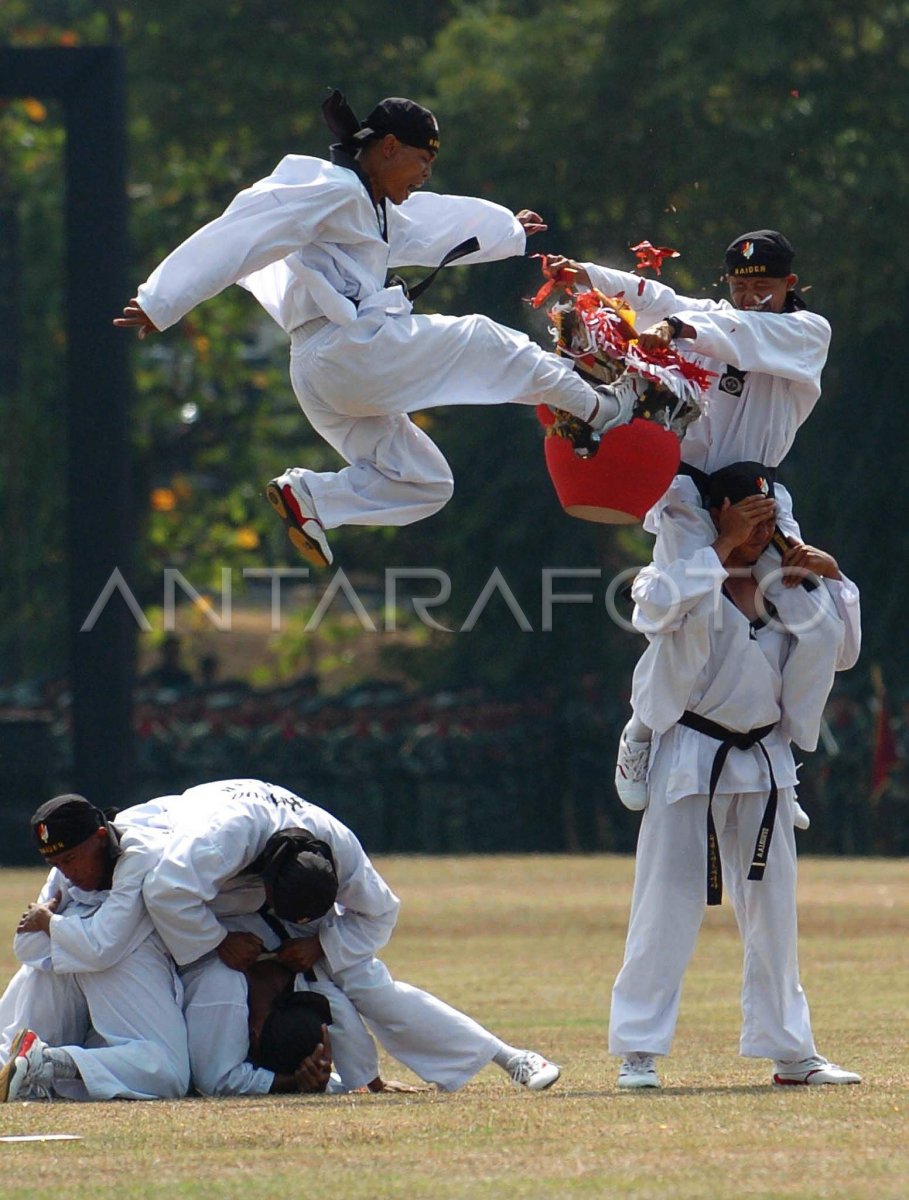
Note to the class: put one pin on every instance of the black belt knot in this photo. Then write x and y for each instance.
(276, 925)
(744, 741)
(733, 739)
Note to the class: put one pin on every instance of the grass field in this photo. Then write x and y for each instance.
(530, 947)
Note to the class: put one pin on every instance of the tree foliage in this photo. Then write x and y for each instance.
(684, 126)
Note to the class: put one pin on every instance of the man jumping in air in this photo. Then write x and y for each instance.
(313, 242)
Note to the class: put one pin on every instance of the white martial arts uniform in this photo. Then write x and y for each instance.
(216, 1008)
(217, 830)
(709, 660)
(101, 985)
(782, 356)
(308, 242)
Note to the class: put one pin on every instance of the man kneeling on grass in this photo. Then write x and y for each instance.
(94, 1011)
(240, 850)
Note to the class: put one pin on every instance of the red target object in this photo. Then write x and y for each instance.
(630, 471)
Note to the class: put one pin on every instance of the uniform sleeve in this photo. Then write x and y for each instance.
(787, 345)
(846, 601)
(120, 923)
(34, 949)
(664, 596)
(366, 911)
(682, 524)
(349, 934)
(190, 872)
(649, 298)
(426, 226)
(262, 225)
(785, 515)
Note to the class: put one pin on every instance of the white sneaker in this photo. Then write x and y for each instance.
(638, 1071)
(25, 1067)
(617, 401)
(533, 1071)
(293, 504)
(811, 1071)
(631, 772)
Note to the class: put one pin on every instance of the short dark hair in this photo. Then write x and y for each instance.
(291, 1031)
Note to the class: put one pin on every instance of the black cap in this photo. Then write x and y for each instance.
(408, 121)
(737, 481)
(300, 873)
(291, 1031)
(762, 252)
(65, 822)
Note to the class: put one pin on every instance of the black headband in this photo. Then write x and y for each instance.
(300, 871)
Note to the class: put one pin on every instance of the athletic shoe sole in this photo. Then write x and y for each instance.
(9, 1073)
(544, 1078)
(296, 532)
(811, 1081)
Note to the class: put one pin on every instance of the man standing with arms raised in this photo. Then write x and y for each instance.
(726, 696)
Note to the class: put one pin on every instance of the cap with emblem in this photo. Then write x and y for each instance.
(762, 252)
(737, 481)
(410, 122)
(65, 822)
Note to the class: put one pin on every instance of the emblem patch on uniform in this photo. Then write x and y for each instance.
(732, 381)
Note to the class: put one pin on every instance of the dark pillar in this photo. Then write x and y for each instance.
(90, 83)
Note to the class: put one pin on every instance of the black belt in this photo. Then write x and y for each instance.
(732, 739)
(459, 251)
(276, 925)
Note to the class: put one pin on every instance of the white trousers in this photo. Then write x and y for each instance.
(667, 909)
(437, 1042)
(357, 382)
(217, 1022)
(123, 1027)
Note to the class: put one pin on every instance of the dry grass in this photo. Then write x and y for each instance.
(530, 947)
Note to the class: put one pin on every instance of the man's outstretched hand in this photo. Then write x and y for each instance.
(134, 318)
(531, 221)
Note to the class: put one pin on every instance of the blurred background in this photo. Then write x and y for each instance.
(618, 123)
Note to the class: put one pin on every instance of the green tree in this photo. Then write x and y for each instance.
(684, 127)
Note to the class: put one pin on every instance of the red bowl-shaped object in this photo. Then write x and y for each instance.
(630, 471)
